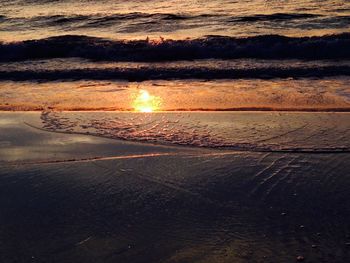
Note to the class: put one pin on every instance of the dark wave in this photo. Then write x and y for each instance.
(60, 19)
(275, 17)
(100, 19)
(103, 19)
(210, 47)
(151, 73)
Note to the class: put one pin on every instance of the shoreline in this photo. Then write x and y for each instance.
(239, 147)
(249, 109)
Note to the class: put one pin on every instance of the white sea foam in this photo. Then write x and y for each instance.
(285, 132)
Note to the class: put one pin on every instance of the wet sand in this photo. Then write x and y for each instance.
(82, 198)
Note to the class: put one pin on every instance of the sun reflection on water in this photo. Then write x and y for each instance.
(145, 102)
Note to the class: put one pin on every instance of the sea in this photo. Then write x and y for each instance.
(174, 55)
(174, 131)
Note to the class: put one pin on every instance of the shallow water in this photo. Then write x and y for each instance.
(252, 131)
(331, 94)
(187, 204)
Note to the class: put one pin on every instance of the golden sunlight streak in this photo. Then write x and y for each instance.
(145, 102)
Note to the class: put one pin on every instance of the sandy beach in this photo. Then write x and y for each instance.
(82, 198)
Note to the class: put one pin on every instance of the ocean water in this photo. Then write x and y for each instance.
(253, 96)
(182, 55)
(174, 19)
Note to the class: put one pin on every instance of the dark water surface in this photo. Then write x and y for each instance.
(76, 198)
(176, 19)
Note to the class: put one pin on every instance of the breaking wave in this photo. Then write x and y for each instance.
(210, 47)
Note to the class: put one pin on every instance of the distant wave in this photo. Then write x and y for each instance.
(150, 73)
(158, 23)
(98, 19)
(210, 47)
(95, 20)
(275, 17)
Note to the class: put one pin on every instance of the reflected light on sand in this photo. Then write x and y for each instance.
(145, 102)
